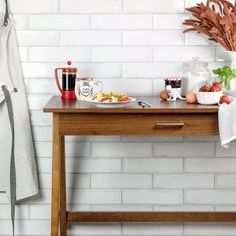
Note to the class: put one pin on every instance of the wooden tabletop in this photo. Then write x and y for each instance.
(57, 105)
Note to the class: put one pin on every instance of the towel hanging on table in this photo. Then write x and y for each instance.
(227, 123)
(18, 173)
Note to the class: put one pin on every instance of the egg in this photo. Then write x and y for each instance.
(164, 95)
(191, 97)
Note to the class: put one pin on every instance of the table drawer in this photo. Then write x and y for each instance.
(139, 124)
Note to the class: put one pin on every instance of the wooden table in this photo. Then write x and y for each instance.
(162, 119)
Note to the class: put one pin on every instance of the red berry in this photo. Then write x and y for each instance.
(215, 89)
(225, 99)
(219, 85)
(205, 88)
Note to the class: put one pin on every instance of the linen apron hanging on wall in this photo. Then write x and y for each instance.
(18, 173)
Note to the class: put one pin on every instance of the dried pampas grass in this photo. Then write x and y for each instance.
(217, 20)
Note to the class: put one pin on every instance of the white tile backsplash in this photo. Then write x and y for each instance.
(94, 165)
(185, 53)
(122, 21)
(183, 181)
(153, 37)
(153, 196)
(39, 212)
(96, 229)
(59, 22)
(26, 227)
(210, 229)
(151, 229)
(191, 3)
(225, 180)
(38, 38)
(130, 45)
(211, 196)
(79, 149)
(225, 152)
(150, 165)
(148, 70)
(196, 39)
(150, 6)
(169, 21)
(206, 165)
(101, 70)
(124, 149)
(185, 207)
(187, 149)
(29, 6)
(121, 181)
(23, 53)
(38, 70)
(221, 54)
(142, 86)
(20, 21)
(121, 54)
(90, 6)
(22, 212)
(94, 196)
(73, 181)
(90, 38)
(55, 54)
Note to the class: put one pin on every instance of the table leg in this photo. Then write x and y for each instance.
(63, 224)
(55, 176)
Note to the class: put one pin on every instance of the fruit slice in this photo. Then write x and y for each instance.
(105, 99)
(124, 99)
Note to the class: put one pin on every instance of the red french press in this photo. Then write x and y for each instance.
(69, 75)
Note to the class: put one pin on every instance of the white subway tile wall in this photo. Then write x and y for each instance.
(130, 45)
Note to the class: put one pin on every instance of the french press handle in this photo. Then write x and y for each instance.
(57, 79)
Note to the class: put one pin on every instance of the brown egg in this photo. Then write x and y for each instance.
(164, 95)
(191, 97)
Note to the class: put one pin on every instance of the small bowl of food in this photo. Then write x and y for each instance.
(112, 100)
(209, 94)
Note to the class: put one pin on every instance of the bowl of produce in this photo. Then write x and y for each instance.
(209, 94)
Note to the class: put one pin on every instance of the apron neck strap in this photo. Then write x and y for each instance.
(6, 17)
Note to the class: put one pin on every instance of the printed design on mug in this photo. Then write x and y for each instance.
(173, 86)
(85, 90)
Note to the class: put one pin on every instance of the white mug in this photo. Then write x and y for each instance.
(86, 88)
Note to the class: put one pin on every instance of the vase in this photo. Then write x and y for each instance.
(232, 55)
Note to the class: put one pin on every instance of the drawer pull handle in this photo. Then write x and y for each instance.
(170, 125)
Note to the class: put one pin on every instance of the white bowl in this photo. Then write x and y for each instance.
(208, 98)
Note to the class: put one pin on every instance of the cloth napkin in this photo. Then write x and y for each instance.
(227, 123)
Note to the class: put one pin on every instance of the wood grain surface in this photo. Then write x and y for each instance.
(139, 124)
(55, 203)
(145, 217)
(56, 104)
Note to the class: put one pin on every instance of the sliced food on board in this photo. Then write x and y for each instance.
(110, 97)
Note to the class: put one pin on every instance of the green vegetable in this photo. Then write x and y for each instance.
(225, 74)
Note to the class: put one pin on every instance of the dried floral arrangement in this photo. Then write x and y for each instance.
(217, 20)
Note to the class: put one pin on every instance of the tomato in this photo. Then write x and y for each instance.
(124, 99)
(107, 99)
